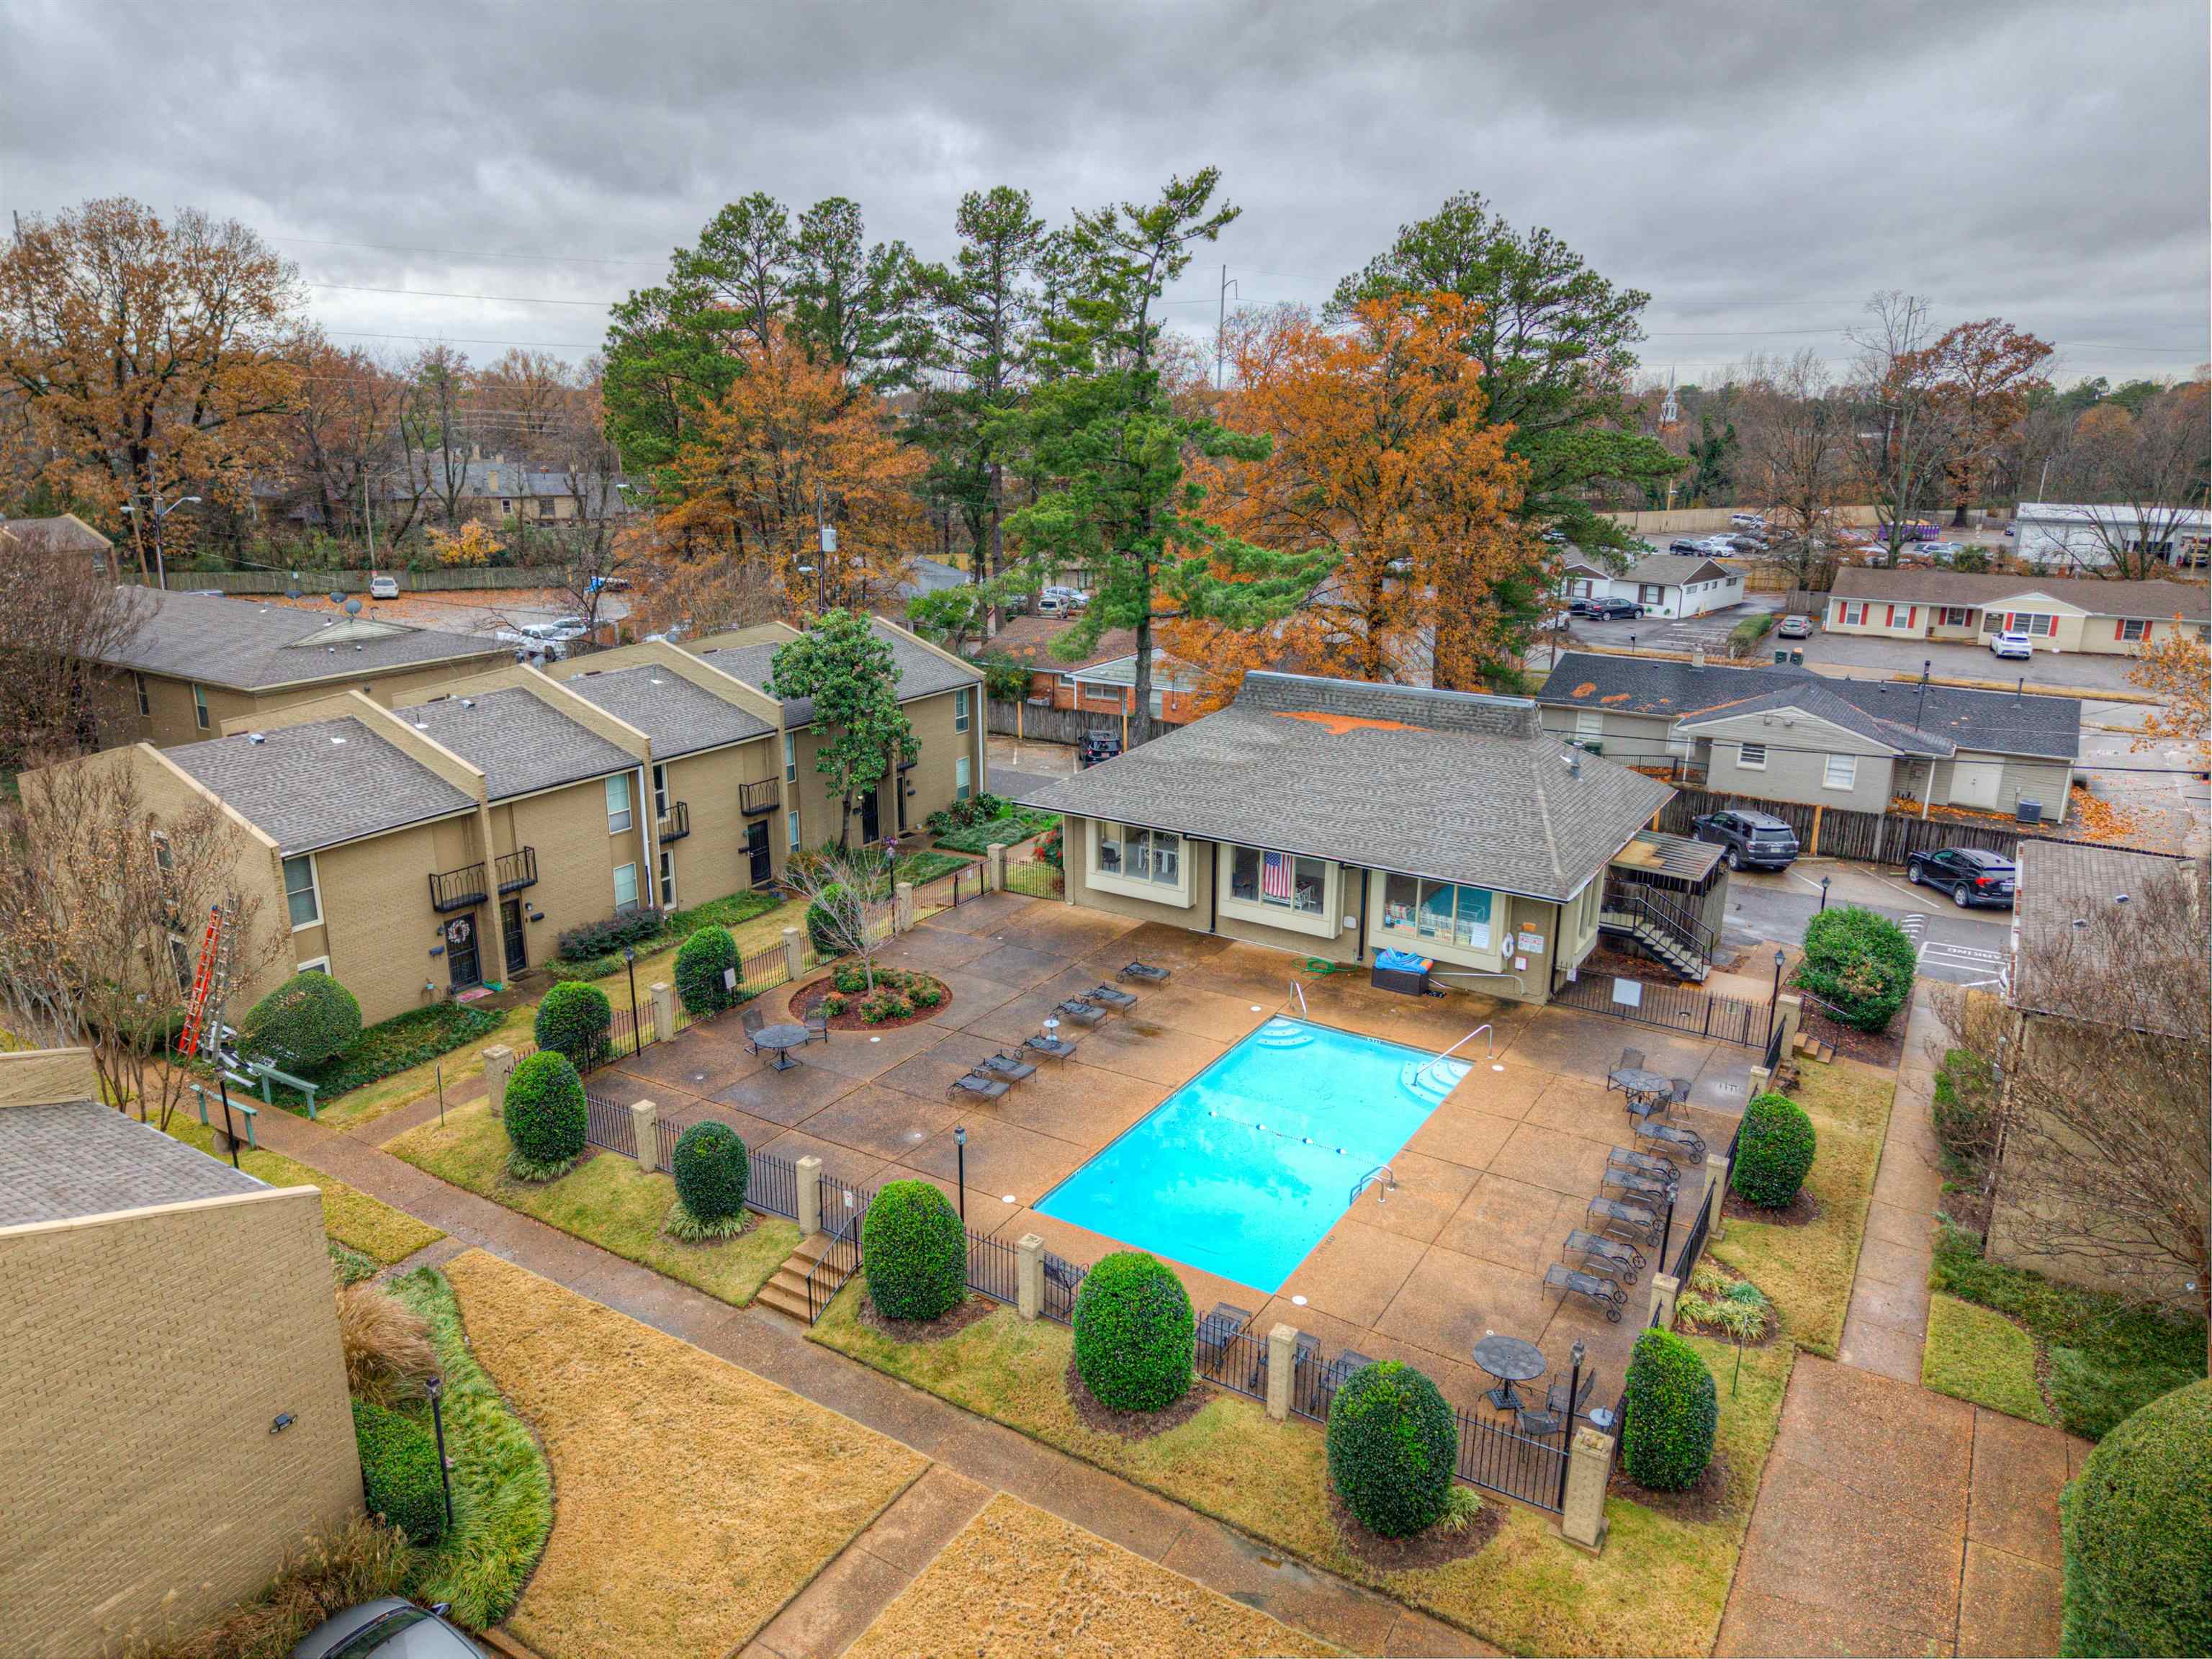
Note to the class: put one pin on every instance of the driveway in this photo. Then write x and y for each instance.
(1707, 633)
(1960, 947)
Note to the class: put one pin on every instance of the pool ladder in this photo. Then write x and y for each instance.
(1387, 1185)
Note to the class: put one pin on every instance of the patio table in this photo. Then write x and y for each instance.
(781, 1039)
(1510, 1360)
(1639, 1084)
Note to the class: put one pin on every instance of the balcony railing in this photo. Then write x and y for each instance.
(760, 797)
(518, 870)
(458, 889)
(675, 822)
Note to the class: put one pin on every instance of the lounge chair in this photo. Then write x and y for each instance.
(1112, 998)
(753, 1021)
(1342, 1367)
(1007, 1067)
(983, 1087)
(1618, 1218)
(1216, 1331)
(1659, 1168)
(1601, 1293)
(1641, 1187)
(1082, 1012)
(1624, 1259)
(1145, 974)
(1689, 1142)
(817, 1028)
(1051, 1047)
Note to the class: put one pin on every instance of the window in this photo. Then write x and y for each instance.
(180, 961)
(1992, 622)
(1437, 912)
(790, 758)
(1956, 616)
(2134, 627)
(1283, 880)
(960, 709)
(618, 818)
(1133, 854)
(659, 790)
(164, 857)
(200, 705)
(962, 784)
(1851, 613)
(1159, 703)
(318, 965)
(138, 684)
(1589, 723)
(667, 877)
(791, 830)
(625, 888)
(301, 895)
(1752, 756)
(1841, 772)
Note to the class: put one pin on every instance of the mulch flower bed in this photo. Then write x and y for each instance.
(807, 998)
(972, 1310)
(1131, 1425)
(1802, 1211)
(1433, 1547)
(1705, 1499)
(1618, 964)
(1882, 1048)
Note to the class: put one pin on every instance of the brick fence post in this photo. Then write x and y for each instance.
(995, 867)
(810, 1196)
(1282, 1369)
(795, 962)
(903, 907)
(645, 1121)
(1760, 1080)
(1717, 1175)
(1029, 1276)
(1792, 1018)
(663, 1010)
(499, 1066)
(1665, 1287)
(1590, 1461)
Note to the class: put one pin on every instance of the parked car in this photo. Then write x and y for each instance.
(1971, 876)
(536, 639)
(608, 585)
(1684, 545)
(1747, 543)
(383, 587)
(1051, 605)
(569, 628)
(1746, 522)
(1098, 746)
(386, 1628)
(1583, 606)
(1941, 552)
(1754, 841)
(2011, 643)
(1615, 610)
(1794, 628)
(1075, 598)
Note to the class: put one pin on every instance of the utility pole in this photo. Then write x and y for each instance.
(1221, 327)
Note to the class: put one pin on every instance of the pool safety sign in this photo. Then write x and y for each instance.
(1628, 992)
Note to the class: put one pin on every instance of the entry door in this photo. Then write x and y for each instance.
(870, 824)
(462, 965)
(757, 852)
(517, 952)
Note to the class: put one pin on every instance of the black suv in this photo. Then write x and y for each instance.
(1757, 841)
(1972, 876)
(1613, 609)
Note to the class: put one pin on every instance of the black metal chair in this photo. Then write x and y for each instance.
(981, 1084)
(1625, 1260)
(1559, 1412)
(1688, 1142)
(1123, 1001)
(752, 1021)
(1643, 1188)
(1632, 1059)
(1659, 1168)
(1601, 1293)
(1216, 1332)
(1082, 1012)
(1681, 1091)
(1618, 1218)
(1009, 1067)
(817, 1027)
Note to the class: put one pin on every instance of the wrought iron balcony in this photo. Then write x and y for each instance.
(761, 797)
(458, 889)
(675, 824)
(518, 870)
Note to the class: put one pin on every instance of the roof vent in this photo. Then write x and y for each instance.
(257, 737)
(1574, 759)
(337, 739)
(468, 702)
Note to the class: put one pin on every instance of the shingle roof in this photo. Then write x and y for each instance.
(921, 672)
(1987, 722)
(255, 646)
(680, 718)
(1673, 569)
(77, 1157)
(65, 530)
(2062, 882)
(2150, 601)
(1823, 704)
(314, 786)
(517, 740)
(1030, 640)
(1460, 787)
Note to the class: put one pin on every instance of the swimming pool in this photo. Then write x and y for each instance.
(1244, 1169)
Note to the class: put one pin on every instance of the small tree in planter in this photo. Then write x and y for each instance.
(705, 959)
(303, 1022)
(1391, 1449)
(849, 908)
(1133, 1331)
(572, 1021)
(1773, 1154)
(710, 1166)
(544, 1117)
(916, 1252)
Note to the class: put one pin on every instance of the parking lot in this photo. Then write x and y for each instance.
(1850, 652)
(1707, 633)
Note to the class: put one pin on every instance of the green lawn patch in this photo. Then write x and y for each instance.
(606, 1200)
(1807, 1270)
(919, 868)
(2107, 1356)
(398, 1044)
(502, 1488)
(364, 1225)
(1658, 1588)
(456, 1066)
(1978, 1355)
(1017, 826)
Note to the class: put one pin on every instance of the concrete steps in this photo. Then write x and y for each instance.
(786, 1289)
(1808, 1047)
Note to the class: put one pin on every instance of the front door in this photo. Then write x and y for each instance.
(870, 824)
(898, 794)
(462, 966)
(757, 854)
(517, 952)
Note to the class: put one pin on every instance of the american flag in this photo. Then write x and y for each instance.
(1275, 875)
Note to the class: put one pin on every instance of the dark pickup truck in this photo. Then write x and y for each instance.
(1754, 841)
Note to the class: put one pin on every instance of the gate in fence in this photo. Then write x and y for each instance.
(1676, 1007)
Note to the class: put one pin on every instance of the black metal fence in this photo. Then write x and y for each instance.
(1062, 1280)
(1676, 1007)
(1501, 1460)
(1036, 880)
(1237, 1362)
(993, 1268)
(953, 889)
(609, 1126)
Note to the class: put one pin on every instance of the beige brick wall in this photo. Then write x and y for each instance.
(378, 926)
(577, 855)
(931, 779)
(37, 1077)
(171, 719)
(146, 1355)
(711, 860)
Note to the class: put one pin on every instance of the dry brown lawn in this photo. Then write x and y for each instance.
(1019, 1582)
(691, 1498)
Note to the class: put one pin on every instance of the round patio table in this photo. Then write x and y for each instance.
(1510, 1360)
(1634, 1081)
(781, 1039)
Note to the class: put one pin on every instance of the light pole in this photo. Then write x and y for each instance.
(960, 1146)
(1824, 894)
(161, 512)
(434, 1388)
(1774, 998)
(629, 961)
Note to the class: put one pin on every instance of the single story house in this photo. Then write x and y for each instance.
(2079, 536)
(1102, 680)
(1333, 819)
(1665, 584)
(64, 533)
(135, 1268)
(2057, 613)
(1780, 733)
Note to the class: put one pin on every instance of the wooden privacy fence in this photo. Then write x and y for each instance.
(1036, 722)
(312, 582)
(1839, 832)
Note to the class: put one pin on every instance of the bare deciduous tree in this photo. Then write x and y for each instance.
(1905, 430)
(851, 894)
(2144, 475)
(60, 613)
(1796, 428)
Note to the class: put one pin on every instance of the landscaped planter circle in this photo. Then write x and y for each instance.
(903, 981)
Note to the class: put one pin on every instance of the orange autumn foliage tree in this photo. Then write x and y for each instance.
(2176, 670)
(1383, 459)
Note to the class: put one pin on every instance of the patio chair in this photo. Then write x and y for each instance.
(1644, 1107)
(1601, 1293)
(817, 1028)
(1659, 1168)
(1145, 974)
(1050, 1047)
(1107, 995)
(1641, 1187)
(1679, 1087)
(1009, 1067)
(1555, 1397)
(1624, 1260)
(1082, 1012)
(1558, 1412)
(1632, 1059)
(979, 1084)
(1618, 1218)
(1688, 1142)
(754, 1019)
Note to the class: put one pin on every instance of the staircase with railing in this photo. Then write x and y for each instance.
(1663, 925)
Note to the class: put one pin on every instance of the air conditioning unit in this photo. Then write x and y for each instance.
(2030, 811)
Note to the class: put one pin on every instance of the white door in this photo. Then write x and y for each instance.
(1976, 779)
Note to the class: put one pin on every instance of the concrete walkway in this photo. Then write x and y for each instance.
(975, 1458)
(1886, 1324)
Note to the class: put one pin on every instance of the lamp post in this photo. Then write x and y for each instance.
(960, 1148)
(159, 512)
(434, 1389)
(1824, 895)
(1774, 997)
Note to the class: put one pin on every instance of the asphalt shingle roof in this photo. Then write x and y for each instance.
(314, 786)
(680, 718)
(1823, 704)
(1934, 720)
(1445, 784)
(77, 1157)
(252, 646)
(2062, 882)
(921, 671)
(517, 740)
(2150, 601)
(1673, 569)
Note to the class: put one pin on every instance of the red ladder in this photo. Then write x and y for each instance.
(204, 978)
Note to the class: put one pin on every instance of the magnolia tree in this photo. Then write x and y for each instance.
(102, 906)
(852, 679)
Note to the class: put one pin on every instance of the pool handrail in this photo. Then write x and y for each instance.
(1470, 1037)
(1389, 1185)
(1299, 992)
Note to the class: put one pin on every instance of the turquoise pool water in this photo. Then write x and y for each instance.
(1243, 1170)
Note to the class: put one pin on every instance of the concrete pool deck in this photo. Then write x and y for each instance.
(1488, 1187)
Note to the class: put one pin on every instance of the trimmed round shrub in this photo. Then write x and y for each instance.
(916, 1252)
(1670, 1415)
(2138, 1531)
(824, 931)
(1132, 1333)
(1860, 962)
(1391, 1447)
(399, 1471)
(710, 1164)
(574, 1021)
(303, 1022)
(699, 964)
(544, 1112)
(1773, 1153)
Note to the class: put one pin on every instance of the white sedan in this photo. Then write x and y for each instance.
(2011, 644)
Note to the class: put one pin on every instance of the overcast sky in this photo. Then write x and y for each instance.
(1760, 168)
